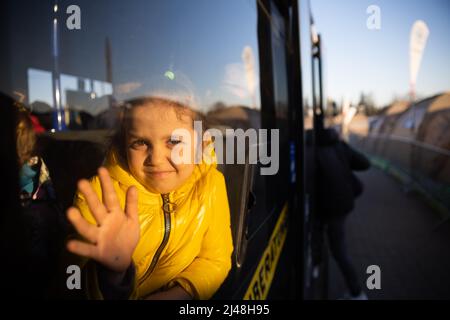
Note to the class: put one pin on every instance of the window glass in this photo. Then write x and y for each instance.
(123, 49)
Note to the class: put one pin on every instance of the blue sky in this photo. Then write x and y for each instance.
(200, 40)
(377, 61)
(204, 40)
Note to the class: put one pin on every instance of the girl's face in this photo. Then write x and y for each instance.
(149, 144)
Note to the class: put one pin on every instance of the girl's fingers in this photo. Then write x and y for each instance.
(98, 210)
(108, 193)
(82, 249)
(131, 207)
(83, 227)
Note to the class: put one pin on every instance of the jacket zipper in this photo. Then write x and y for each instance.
(167, 227)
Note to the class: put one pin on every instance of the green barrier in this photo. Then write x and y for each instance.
(410, 184)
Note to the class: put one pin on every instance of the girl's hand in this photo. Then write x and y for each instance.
(113, 240)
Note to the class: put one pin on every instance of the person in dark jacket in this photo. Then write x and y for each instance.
(336, 188)
(40, 208)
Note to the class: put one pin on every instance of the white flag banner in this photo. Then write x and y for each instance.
(418, 41)
(250, 74)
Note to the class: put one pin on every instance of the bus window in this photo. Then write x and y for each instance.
(74, 79)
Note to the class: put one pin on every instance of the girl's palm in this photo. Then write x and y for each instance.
(113, 240)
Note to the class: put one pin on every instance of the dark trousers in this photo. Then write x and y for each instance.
(337, 242)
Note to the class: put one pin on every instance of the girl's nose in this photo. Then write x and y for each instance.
(156, 157)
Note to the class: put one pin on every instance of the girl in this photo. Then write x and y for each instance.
(162, 225)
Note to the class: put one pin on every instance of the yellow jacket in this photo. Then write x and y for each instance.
(189, 243)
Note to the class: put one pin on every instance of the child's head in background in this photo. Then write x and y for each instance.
(25, 135)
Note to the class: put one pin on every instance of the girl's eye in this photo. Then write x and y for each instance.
(138, 144)
(174, 142)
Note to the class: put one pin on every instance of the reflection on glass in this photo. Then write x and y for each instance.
(40, 87)
(121, 49)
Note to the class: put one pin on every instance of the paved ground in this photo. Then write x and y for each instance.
(403, 236)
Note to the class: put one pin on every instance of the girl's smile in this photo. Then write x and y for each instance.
(159, 174)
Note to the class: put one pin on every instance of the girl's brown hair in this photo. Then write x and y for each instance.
(25, 135)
